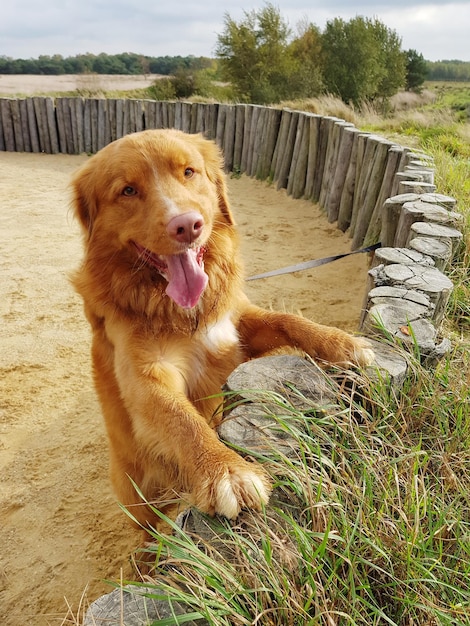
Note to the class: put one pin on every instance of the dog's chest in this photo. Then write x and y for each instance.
(215, 353)
(220, 335)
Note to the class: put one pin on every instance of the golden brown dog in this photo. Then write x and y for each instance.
(162, 285)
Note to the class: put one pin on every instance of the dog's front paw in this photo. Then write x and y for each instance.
(363, 354)
(235, 487)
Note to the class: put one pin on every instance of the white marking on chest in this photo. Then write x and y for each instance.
(221, 334)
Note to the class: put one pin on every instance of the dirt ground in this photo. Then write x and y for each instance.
(61, 530)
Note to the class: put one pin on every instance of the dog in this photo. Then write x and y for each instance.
(163, 290)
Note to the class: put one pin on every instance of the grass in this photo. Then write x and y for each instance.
(369, 524)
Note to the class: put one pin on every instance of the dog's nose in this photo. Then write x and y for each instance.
(186, 227)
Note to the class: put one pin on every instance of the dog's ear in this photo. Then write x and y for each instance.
(84, 198)
(214, 163)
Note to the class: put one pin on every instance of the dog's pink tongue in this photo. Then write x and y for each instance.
(186, 278)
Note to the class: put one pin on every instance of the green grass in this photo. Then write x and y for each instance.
(369, 522)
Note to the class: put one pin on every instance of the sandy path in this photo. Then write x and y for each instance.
(61, 531)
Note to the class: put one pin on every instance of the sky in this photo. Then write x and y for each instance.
(28, 28)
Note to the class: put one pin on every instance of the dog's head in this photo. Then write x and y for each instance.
(157, 196)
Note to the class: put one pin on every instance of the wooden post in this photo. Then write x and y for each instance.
(8, 133)
(333, 201)
(362, 142)
(185, 116)
(229, 137)
(94, 123)
(281, 142)
(286, 156)
(200, 117)
(371, 183)
(159, 115)
(52, 126)
(165, 120)
(210, 122)
(252, 138)
(16, 125)
(270, 133)
(240, 110)
(312, 130)
(427, 280)
(77, 116)
(402, 256)
(101, 121)
(391, 215)
(440, 250)
(426, 174)
(64, 125)
(43, 131)
(2, 128)
(347, 194)
(193, 127)
(246, 139)
(419, 211)
(150, 114)
(171, 114)
(219, 136)
(329, 160)
(24, 125)
(375, 223)
(33, 127)
(325, 126)
(436, 231)
(410, 186)
(331, 164)
(404, 301)
(297, 171)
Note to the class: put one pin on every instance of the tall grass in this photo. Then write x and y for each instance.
(369, 523)
(440, 126)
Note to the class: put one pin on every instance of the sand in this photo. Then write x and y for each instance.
(62, 532)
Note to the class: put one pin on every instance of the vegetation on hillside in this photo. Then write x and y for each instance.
(125, 63)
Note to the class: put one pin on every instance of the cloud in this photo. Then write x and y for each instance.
(68, 27)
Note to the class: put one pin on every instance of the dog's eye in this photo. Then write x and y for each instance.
(188, 172)
(129, 191)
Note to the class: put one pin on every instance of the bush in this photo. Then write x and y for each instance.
(162, 89)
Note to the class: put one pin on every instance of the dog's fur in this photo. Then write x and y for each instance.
(162, 352)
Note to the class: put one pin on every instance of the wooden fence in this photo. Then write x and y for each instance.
(373, 188)
(323, 159)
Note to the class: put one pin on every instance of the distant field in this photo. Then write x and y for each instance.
(29, 84)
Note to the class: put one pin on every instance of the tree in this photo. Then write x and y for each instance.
(392, 60)
(305, 50)
(362, 59)
(253, 55)
(416, 71)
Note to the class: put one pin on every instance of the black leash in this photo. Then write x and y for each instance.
(309, 264)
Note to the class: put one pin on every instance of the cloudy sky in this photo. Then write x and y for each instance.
(28, 28)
